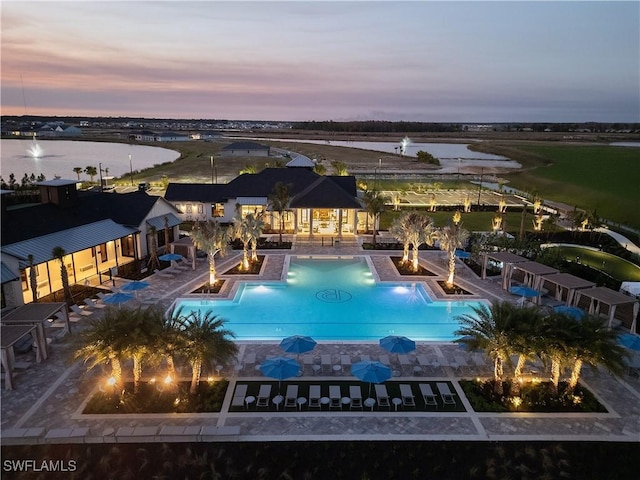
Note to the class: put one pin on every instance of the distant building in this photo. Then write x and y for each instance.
(245, 149)
(171, 137)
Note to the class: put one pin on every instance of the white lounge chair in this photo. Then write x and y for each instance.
(427, 394)
(325, 361)
(263, 396)
(91, 304)
(407, 395)
(334, 396)
(291, 398)
(382, 397)
(445, 393)
(355, 393)
(314, 396)
(239, 395)
(76, 309)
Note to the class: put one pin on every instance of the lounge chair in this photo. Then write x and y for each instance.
(314, 396)
(102, 295)
(382, 397)
(91, 304)
(407, 395)
(77, 310)
(264, 395)
(384, 359)
(427, 394)
(335, 397)
(249, 360)
(355, 393)
(345, 361)
(445, 393)
(291, 398)
(239, 395)
(405, 363)
(325, 361)
(308, 361)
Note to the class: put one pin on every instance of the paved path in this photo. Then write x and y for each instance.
(47, 402)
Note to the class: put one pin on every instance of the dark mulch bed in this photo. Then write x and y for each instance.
(159, 398)
(208, 288)
(455, 290)
(389, 460)
(254, 268)
(534, 397)
(405, 269)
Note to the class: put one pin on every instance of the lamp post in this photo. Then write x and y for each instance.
(100, 170)
(131, 170)
(480, 186)
(211, 168)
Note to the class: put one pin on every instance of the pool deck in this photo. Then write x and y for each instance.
(48, 397)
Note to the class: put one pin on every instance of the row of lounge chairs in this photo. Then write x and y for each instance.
(336, 399)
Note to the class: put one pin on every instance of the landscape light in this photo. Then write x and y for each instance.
(111, 381)
(167, 379)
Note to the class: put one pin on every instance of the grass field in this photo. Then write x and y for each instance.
(592, 177)
(612, 265)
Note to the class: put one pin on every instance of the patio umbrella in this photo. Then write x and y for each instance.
(397, 344)
(630, 341)
(117, 298)
(280, 368)
(134, 286)
(462, 254)
(573, 312)
(524, 291)
(170, 257)
(371, 372)
(298, 344)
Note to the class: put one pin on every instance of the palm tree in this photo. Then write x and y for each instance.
(59, 253)
(451, 238)
(374, 204)
(77, 171)
(400, 230)
(248, 229)
(556, 332)
(33, 280)
(101, 343)
(413, 229)
(279, 200)
(491, 330)
(340, 168)
(212, 238)
(170, 342)
(205, 339)
(91, 171)
(154, 262)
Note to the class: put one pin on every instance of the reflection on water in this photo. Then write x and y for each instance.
(60, 157)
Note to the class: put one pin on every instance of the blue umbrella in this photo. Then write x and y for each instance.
(462, 254)
(630, 341)
(169, 257)
(573, 312)
(298, 344)
(280, 368)
(135, 285)
(397, 344)
(371, 372)
(524, 291)
(117, 298)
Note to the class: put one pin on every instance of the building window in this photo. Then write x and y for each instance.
(217, 210)
(179, 207)
(189, 208)
(200, 208)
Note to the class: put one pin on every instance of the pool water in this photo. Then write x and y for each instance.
(334, 299)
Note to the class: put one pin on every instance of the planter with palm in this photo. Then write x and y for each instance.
(452, 237)
(213, 239)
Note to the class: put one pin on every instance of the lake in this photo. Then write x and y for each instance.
(438, 150)
(60, 157)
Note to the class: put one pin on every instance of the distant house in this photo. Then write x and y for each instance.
(171, 137)
(71, 131)
(245, 149)
(144, 136)
(101, 233)
(319, 204)
(208, 135)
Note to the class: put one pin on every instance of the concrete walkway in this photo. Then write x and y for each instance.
(46, 405)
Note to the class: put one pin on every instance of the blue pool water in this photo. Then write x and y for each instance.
(334, 299)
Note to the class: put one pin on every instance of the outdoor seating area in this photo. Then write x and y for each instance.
(343, 396)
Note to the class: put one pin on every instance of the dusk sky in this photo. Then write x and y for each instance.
(324, 60)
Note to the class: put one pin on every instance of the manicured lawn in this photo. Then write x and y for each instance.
(612, 265)
(603, 178)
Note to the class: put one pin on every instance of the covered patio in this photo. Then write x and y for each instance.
(507, 259)
(534, 275)
(598, 296)
(565, 286)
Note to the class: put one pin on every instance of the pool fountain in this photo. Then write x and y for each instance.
(404, 143)
(35, 150)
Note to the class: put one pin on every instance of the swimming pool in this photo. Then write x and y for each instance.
(334, 299)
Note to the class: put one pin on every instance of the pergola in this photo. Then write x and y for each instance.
(507, 259)
(187, 243)
(566, 282)
(602, 295)
(534, 274)
(23, 320)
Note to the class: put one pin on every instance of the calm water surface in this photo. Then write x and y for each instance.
(59, 157)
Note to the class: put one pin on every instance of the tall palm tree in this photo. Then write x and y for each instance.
(399, 228)
(452, 237)
(59, 253)
(340, 168)
(166, 234)
(212, 238)
(102, 343)
(170, 342)
(77, 171)
(33, 280)
(413, 229)
(556, 332)
(91, 171)
(279, 200)
(248, 230)
(490, 329)
(374, 204)
(205, 339)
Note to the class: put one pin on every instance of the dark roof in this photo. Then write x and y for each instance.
(307, 188)
(128, 209)
(246, 146)
(196, 192)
